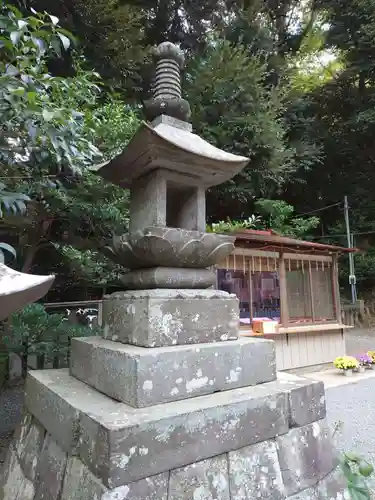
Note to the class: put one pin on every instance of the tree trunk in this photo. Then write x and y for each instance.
(29, 258)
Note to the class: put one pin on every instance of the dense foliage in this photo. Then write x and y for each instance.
(34, 331)
(288, 84)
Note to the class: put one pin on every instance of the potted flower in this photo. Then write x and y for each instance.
(371, 354)
(364, 361)
(346, 364)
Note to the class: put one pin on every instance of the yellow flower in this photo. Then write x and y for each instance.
(346, 363)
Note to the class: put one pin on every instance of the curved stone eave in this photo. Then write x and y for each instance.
(194, 144)
(17, 290)
(213, 166)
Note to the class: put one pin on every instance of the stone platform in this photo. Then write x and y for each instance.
(270, 441)
(140, 376)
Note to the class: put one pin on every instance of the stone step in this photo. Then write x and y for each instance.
(140, 376)
(121, 444)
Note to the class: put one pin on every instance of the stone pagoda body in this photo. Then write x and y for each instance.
(171, 403)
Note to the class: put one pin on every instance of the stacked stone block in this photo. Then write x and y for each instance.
(270, 441)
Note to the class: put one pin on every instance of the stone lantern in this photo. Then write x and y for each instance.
(171, 403)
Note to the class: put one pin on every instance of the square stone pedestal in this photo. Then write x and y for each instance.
(162, 317)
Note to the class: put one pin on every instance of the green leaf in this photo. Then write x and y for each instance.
(31, 97)
(352, 457)
(365, 469)
(11, 70)
(55, 43)
(48, 115)
(22, 24)
(15, 36)
(348, 473)
(39, 43)
(19, 92)
(68, 34)
(64, 40)
(359, 493)
(54, 19)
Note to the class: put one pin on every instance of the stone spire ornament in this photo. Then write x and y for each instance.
(166, 99)
(171, 404)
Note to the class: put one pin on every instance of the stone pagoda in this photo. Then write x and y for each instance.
(171, 403)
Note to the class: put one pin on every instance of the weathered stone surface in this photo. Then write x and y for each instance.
(150, 488)
(54, 413)
(186, 208)
(80, 483)
(13, 484)
(155, 246)
(168, 277)
(306, 399)
(121, 444)
(148, 202)
(306, 455)
(205, 480)
(50, 471)
(332, 487)
(144, 377)
(19, 437)
(177, 150)
(154, 318)
(254, 472)
(158, 440)
(30, 446)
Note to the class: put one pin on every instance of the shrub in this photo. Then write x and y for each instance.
(48, 336)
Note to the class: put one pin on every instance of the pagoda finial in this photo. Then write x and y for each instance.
(166, 93)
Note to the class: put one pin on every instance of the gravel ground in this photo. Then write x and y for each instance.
(353, 406)
(359, 341)
(11, 401)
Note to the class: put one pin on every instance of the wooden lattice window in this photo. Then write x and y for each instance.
(309, 287)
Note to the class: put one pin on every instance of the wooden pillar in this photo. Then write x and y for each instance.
(336, 288)
(284, 312)
(311, 293)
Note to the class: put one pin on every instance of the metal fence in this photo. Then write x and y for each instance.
(88, 312)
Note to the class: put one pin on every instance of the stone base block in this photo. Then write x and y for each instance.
(305, 456)
(253, 471)
(120, 444)
(142, 377)
(169, 277)
(306, 399)
(162, 317)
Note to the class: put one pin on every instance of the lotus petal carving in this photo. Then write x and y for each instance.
(170, 247)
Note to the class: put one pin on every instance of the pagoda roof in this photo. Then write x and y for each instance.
(175, 148)
(19, 289)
